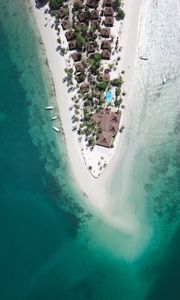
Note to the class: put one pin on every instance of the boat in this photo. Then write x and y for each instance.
(54, 118)
(56, 128)
(164, 80)
(49, 107)
(143, 57)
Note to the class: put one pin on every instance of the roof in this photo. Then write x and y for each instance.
(109, 123)
(90, 3)
(109, 11)
(69, 35)
(79, 67)
(106, 54)
(106, 44)
(94, 14)
(84, 87)
(72, 45)
(107, 2)
(105, 139)
(109, 21)
(105, 32)
(81, 17)
(105, 77)
(78, 3)
(65, 24)
(90, 48)
(62, 12)
(76, 56)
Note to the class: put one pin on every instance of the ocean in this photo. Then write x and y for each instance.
(52, 246)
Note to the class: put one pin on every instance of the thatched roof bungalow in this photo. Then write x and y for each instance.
(65, 24)
(109, 21)
(106, 54)
(105, 32)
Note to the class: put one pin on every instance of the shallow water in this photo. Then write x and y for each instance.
(51, 245)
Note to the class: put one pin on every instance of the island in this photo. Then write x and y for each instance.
(88, 39)
(90, 49)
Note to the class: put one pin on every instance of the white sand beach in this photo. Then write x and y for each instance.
(94, 188)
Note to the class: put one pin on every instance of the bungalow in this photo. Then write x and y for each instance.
(69, 35)
(82, 25)
(81, 17)
(109, 21)
(79, 67)
(90, 3)
(105, 139)
(109, 11)
(105, 32)
(65, 24)
(105, 77)
(107, 2)
(106, 54)
(90, 48)
(78, 4)
(115, 117)
(89, 35)
(77, 56)
(84, 87)
(109, 123)
(62, 12)
(94, 14)
(72, 45)
(80, 78)
(106, 45)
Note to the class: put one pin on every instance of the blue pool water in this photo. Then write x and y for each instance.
(108, 96)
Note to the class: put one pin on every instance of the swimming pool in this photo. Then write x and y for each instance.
(108, 96)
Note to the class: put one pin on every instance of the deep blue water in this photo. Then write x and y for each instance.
(46, 251)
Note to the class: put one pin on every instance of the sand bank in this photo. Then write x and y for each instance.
(94, 188)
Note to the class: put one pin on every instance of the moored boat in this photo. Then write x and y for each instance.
(49, 107)
(143, 57)
(164, 80)
(54, 118)
(56, 128)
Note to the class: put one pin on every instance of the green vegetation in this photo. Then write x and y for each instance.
(90, 86)
(117, 82)
(80, 41)
(116, 4)
(102, 86)
(55, 4)
(120, 14)
(95, 63)
(41, 2)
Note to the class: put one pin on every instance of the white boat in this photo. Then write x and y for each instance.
(54, 118)
(56, 128)
(164, 80)
(49, 107)
(143, 57)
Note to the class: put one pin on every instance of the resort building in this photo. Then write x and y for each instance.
(109, 21)
(105, 32)
(77, 56)
(106, 54)
(72, 45)
(109, 11)
(69, 35)
(65, 24)
(109, 123)
(106, 45)
(90, 3)
(107, 2)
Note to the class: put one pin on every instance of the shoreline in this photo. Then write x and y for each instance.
(94, 188)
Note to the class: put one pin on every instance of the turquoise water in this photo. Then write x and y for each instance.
(51, 246)
(108, 96)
